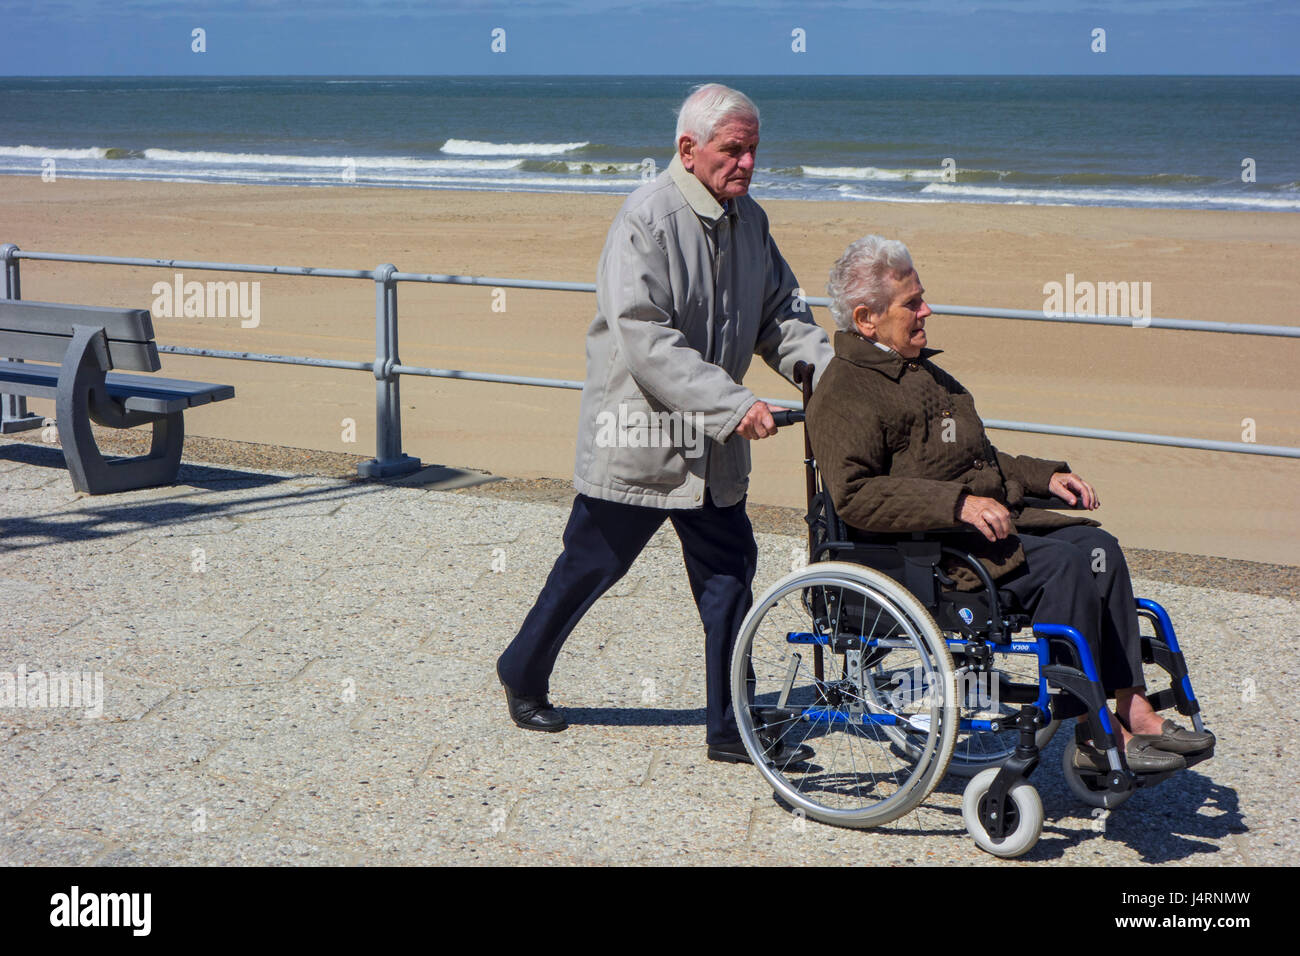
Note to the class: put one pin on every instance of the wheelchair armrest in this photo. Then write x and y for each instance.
(891, 539)
(1053, 503)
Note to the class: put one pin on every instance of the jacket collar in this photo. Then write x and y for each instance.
(853, 348)
(697, 197)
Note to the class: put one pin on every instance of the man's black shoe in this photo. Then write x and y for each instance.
(782, 757)
(533, 713)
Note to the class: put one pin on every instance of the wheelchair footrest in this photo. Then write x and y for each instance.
(1141, 780)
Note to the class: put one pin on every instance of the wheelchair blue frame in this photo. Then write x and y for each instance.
(1040, 648)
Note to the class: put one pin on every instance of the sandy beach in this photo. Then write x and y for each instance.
(1208, 265)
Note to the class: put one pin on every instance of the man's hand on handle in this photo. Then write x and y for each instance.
(758, 422)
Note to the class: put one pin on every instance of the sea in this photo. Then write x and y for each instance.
(1181, 142)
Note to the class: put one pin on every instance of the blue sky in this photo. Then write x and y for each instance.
(364, 37)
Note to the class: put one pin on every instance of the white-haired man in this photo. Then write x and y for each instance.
(690, 287)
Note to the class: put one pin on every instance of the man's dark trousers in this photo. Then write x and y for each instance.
(601, 541)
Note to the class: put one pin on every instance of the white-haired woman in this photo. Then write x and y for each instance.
(901, 448)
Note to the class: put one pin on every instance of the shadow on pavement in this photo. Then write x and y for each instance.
(106, 516)
(635, 716)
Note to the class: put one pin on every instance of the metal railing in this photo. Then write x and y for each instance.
(387, 368)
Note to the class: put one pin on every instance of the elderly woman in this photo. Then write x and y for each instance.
(901, 448)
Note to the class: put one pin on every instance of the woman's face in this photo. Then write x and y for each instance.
(902, 325)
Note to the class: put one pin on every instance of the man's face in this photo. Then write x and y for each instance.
(902, 325)
(725, 163)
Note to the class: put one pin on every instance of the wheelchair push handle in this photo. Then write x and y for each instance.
(787, 417)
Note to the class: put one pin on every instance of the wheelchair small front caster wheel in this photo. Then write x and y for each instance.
(1091, 790)
(1024, 812)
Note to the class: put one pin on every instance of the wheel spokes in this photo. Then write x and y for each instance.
(857, 766)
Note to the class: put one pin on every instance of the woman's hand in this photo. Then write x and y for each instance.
(1066, 484)
(988, 516)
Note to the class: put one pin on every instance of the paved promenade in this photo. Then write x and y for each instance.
(298, 669)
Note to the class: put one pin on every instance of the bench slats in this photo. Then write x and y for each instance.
(131, 325)
(42, 347)
(150, 394)
(140, 393)
(34, 381)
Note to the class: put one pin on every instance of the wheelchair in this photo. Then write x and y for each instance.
(894, 678)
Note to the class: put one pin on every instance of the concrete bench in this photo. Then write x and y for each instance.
(88, 343)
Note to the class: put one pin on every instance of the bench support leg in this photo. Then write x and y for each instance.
(81, 399)
(14, 416)
(93, 474)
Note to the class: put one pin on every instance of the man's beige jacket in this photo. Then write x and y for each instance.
(686, 295)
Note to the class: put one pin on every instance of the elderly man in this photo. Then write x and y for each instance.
(690, 287)
(901, 448)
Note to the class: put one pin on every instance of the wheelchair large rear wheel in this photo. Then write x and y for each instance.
(884, 674)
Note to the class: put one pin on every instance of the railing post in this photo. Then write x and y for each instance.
(388, 460)
(14, 416)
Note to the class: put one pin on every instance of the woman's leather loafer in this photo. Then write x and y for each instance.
(1179, 740)
(1140, 755)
